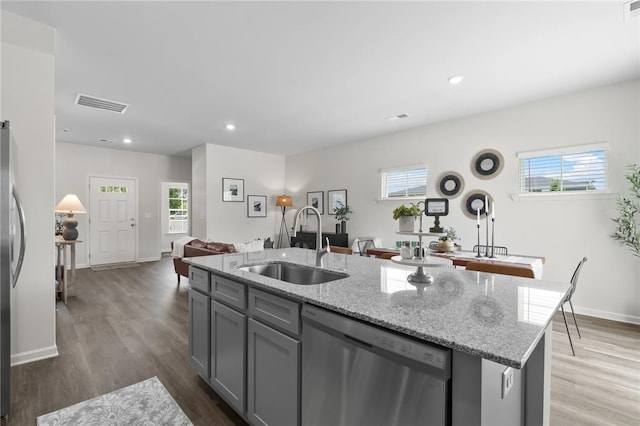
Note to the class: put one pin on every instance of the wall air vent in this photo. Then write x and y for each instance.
(631, 10)
(107, 141)
(100, 103)
(401, 116)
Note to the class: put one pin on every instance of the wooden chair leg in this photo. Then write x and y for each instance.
(178, 279)
(575, 321)
(568, 334)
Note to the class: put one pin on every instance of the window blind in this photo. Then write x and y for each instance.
(404, 182)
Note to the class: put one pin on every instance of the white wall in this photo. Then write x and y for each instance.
(75, 163)
(562, 229)
(263, 174)
(27, 92)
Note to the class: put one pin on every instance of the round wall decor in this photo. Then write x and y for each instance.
(487, 163)
(473, 201)
(450, 184)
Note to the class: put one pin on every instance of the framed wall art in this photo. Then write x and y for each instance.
(316, 199)
(256, 206)
(336, 198)
(474, 201)
(233, 190)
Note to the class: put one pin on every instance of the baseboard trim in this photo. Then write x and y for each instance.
(149, 259)
(632, 319)
(35, 355)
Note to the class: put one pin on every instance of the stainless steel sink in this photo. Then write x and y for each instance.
(294, 273)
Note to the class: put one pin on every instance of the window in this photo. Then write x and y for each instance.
(120, 189)
(572, 169)
(178, 206)
(404, 182)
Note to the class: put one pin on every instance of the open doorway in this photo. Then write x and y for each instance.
(175, 217)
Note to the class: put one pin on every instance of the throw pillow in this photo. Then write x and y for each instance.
(256, 245)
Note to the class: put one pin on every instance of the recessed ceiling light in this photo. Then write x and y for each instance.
(398, 117)
(456, 79)
(126, 140)
(66, 130)
(230, 127)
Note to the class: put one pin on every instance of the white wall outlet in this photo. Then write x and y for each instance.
(507, 381)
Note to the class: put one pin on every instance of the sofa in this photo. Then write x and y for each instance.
(193, 247)
(199, 248)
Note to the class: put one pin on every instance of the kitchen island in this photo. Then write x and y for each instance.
(496, 327)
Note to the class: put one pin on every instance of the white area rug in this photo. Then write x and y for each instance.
(144, 403)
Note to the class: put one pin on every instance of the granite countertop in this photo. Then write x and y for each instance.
(497, 317)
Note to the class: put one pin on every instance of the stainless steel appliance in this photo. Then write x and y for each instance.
(358, 374)
(12, 246)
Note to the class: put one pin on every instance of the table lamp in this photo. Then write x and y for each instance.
(70, 205)
(283, 201)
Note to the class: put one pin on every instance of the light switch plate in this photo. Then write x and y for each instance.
(507, 381)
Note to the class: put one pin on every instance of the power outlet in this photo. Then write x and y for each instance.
(507, 380)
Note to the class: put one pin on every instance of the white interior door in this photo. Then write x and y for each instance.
(112, 220)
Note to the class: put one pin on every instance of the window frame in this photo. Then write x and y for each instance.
(563, 152)
(182, 186)
(384, 183)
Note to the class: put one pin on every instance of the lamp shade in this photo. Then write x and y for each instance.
(70, 204)
(284, 201)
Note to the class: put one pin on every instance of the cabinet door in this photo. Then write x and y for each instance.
(273, 383)
(199, 332)
(228, 331)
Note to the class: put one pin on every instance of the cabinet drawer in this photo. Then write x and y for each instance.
(199, 279)
(229, 292)
(274, 310)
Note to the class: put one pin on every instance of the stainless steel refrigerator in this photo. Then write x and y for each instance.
(12, 246)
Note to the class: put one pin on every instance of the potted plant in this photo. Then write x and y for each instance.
(628, 221)
(406, 217)
(446, 242)
(342, 212)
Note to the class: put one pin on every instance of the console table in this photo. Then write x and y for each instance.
(64, 279)
(308, 239)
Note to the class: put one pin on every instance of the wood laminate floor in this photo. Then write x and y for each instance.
(126, 325)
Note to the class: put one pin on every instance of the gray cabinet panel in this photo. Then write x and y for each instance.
(273, 371)
(281, 313)
(199, 332)
(230, 292)
(199, 279)
(228, 348)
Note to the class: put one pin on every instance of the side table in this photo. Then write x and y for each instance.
(65, 280)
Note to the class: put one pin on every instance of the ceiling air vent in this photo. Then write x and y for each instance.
(631, 10)
(100, 103)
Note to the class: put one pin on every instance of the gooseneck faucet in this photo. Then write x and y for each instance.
(320, 252)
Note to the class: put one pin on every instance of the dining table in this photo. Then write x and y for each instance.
(461, 258)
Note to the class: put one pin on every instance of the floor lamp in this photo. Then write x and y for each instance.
(283, 201)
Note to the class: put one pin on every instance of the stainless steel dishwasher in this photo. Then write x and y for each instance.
(358, 374)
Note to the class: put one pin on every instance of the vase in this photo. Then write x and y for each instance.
(337, 228)
(406, 223)
(445, 246)
(343, 227)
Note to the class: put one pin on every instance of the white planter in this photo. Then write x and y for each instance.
(406, 223)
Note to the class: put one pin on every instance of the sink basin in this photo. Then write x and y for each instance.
(293, 273)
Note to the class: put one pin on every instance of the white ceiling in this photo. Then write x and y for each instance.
(298, 76)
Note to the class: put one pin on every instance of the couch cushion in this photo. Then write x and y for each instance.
(221, 247)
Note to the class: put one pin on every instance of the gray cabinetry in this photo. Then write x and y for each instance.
(199, 332)
(273, 376)
(228, 354)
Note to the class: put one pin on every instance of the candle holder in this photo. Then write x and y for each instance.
(486, 251)
(493, 228)
(478, 255)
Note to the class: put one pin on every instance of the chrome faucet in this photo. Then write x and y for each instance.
(320, 252)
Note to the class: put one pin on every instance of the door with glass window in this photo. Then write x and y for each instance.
(112, 220)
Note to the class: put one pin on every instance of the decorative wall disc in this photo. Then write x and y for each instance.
(450, 184)
(487, 164)
(473, 201)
